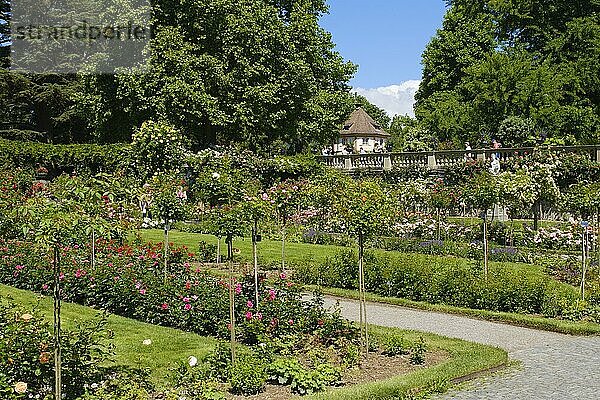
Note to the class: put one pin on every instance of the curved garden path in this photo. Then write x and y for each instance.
(554, 366)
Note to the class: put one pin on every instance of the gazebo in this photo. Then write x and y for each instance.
(361, 134)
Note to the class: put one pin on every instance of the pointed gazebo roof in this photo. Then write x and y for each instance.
(360, 124)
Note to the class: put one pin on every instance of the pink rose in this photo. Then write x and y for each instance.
(248, 315)
(187, 307)
(249, 304)
(164, 306)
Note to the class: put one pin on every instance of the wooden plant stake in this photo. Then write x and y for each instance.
(283, 248)
(485, 246)
(166, 246)
(362, 296)
(218, 250)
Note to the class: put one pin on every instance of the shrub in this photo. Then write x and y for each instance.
(120, 384)
(303, 381)
(417, 353)
(58, 159)
(195, 382)
(248, 375)
(157, 147)
(394, 345)
(27, 352)
(445, 280)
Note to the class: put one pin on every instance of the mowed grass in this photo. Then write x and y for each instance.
(168, 348)
(269, 252)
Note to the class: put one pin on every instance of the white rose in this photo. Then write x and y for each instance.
(21, 387)
(192, 361)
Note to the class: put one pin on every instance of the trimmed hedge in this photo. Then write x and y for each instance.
(64, 158)
(445, 280)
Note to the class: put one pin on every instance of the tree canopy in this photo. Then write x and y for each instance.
(260, 73)
(521, 71)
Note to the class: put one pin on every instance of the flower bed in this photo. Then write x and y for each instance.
(129, 281)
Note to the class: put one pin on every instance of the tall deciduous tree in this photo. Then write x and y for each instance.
(262, 73)
(499, 59)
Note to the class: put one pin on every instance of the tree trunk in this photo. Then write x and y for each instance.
(485, 248)
(439, 224)
(93, 263)
(283, 248)
(57, 349)
(255, 258)
(536, 215)
(166, 255)
(218, 250)
(231, 296)
(362, 296)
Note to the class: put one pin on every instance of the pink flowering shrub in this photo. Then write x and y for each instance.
(128, 280)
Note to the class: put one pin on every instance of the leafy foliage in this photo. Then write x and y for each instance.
(157, 147)
(518, 71)
(27, 353)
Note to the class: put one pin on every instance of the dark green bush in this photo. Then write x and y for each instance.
(417, 352)
(394, 345)
(289, 371)
(58, 159)
(248, 375)
(446, 280)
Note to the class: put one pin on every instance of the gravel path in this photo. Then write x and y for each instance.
(554, 366)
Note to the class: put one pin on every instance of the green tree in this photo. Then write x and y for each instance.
(4, 32)
(499, 60)
(243, 71)
(482, 193)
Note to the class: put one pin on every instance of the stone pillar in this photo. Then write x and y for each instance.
(431, 162)
(598, 154)
(387, 162)
(481, 155)
(348, 163)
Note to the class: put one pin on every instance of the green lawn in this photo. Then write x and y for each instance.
(269, 251)
(169, 346)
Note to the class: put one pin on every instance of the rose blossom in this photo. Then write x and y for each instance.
(21, 387)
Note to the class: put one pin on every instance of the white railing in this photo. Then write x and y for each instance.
(440, 159)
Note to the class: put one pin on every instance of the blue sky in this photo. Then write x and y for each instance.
(386, 39)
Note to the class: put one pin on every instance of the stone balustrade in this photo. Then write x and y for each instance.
(439, 160)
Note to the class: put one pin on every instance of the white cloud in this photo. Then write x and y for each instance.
(394, 99)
